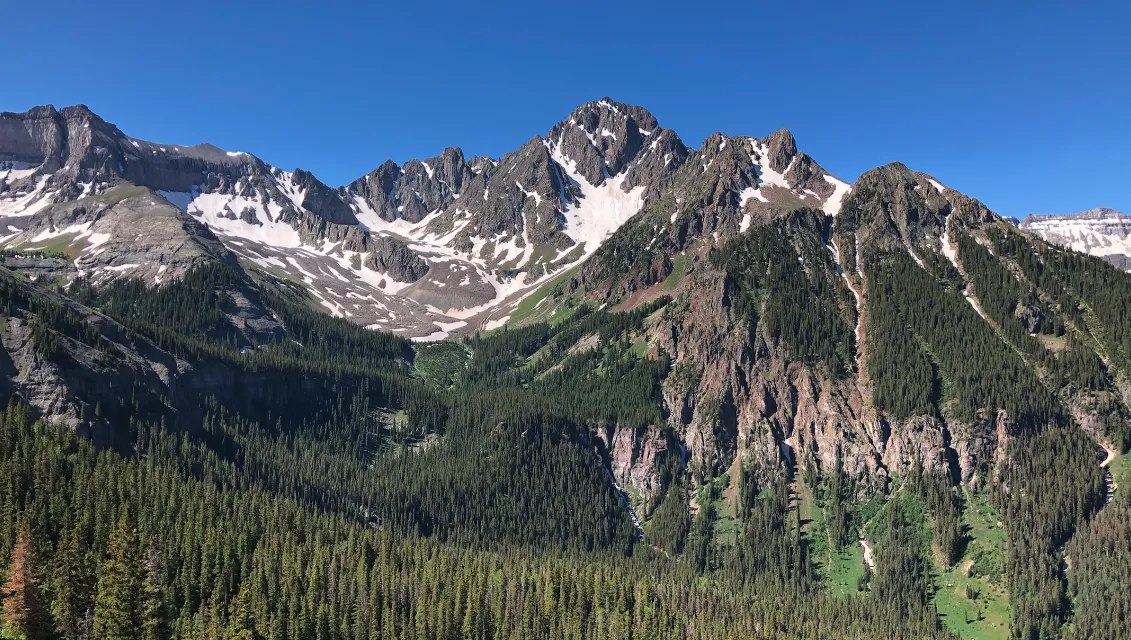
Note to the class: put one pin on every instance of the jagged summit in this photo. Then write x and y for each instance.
(425, 247)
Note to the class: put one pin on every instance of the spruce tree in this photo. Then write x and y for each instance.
(71, 582)
(155, 607)
(241, 620)
(116, 602)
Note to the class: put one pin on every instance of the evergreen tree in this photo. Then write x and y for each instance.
(117, 599)
(155, 608)
(72, 585)
(241, 625)
(22, 613)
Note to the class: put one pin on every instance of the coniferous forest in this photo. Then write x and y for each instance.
(340, 483)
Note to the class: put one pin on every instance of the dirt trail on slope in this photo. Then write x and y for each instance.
(869, 559)
(1110, 455)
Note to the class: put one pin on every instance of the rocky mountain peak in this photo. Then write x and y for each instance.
(603, 138)
(782, 147)
(412, 191)
(321, 200)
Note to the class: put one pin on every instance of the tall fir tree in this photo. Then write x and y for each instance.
(71, 582)
(155, 605)
(116, 602)
(241, 620)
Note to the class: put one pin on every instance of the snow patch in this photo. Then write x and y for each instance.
(948, 249)
(12, 170)
(600, 210)
(840, 191)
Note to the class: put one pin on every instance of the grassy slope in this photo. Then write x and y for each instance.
(528, 309)
(986, 617)
(679, 268)
(1120, 469)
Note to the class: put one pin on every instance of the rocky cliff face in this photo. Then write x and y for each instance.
(78, 380)
(412, 192)
(84, 370)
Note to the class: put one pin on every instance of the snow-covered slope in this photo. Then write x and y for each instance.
(426, 249)
(1101, 232)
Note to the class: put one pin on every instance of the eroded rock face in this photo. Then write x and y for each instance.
(733, 396)
(516, 202)
(75, 145)
(78, 154)
(737, 399)
(634, 457)
(322, 200)
(67, 387)
(391, 256)
(35, 266)
(94, 385)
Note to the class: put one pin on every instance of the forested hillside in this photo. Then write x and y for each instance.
(906, 421)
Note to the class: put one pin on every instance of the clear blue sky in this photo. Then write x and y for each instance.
(1026, 105)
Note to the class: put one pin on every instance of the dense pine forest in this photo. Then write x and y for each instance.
(339, 483)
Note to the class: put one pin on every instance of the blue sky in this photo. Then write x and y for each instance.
(1024, 105)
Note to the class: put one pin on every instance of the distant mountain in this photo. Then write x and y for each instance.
(1101, 232)
(433, 247)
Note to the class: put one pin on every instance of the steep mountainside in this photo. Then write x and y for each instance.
(845, 336)
(1101, 232)
(907, 336)
(438, 246)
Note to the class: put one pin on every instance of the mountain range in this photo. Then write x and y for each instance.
(437, 246)
(604, 341)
